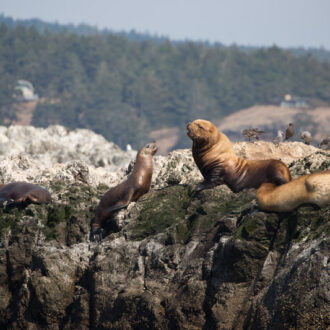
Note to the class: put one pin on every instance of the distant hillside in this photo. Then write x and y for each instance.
(125, 89)
(321, 54)
(265, 117)
(272, 118)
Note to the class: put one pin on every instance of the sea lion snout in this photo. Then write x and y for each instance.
(152, 147)
(190, 130)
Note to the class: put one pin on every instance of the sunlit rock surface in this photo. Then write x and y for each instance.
(172, 260)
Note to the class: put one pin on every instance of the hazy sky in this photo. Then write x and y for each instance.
(285, 23)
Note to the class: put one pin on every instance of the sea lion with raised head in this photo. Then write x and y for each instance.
(23, 192)
(216, 159)
(137, 184)
(307, 189)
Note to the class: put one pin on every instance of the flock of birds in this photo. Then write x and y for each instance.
(306, 136)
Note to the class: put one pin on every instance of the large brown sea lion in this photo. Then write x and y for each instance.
(137, 184)
(21, 192)
(216, 159)
(307, 189)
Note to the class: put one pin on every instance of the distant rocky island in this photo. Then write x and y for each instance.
(173, 260)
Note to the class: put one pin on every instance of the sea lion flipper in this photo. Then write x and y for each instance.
(115, 208)
(205, 185)
(3, 200)
(96, 235)
(107, 212)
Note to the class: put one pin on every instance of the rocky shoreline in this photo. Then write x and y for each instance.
(173, 260)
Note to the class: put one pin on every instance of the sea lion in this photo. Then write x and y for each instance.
(21, 192)
(307, 189)
(137, 184)
(216, 159)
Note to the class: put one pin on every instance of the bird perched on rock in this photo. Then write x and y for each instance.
(289, 132)
(252, 133)
(279, 137)
(325, 144)
(307, 137)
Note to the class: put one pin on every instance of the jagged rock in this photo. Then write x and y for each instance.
(286, 151)
(172, 260)
(56, 144)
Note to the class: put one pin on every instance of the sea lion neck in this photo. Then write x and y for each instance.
(143, 161)
(204, 145)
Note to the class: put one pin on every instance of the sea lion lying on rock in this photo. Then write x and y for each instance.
(307, 189)
(216, 159)
(21, 192)
(137, 184)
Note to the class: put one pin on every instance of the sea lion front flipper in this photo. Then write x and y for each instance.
(96, 235)
(205, 185)
(96, 232)
(3, 200)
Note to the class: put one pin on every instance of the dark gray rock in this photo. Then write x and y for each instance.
(173, 260)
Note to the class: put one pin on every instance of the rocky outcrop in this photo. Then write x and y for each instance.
(56, 144)
(173, 260)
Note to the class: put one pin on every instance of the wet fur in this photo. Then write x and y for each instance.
(308, 189)
(216, 159)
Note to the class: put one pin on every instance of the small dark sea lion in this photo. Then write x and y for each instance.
(137, 184)
(216, 159)
(23, 192)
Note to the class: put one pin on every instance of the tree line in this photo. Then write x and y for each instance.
(124, 89)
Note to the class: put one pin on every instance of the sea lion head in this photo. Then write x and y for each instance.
(149, 149)
(202, 132)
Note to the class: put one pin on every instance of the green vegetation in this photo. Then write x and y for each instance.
(179, 212)
(124, 89)
(67, 219)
